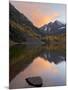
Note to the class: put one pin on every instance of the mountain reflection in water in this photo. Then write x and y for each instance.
(49, 65)
(50, 73)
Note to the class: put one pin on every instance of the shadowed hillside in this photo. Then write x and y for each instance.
(21, 29)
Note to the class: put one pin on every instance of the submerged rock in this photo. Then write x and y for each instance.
(34, 81)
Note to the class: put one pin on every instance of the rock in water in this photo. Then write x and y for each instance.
(34, 81)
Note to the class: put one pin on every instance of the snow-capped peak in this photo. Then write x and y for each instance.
(58, 23)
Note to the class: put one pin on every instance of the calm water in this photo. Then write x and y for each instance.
(50, 65)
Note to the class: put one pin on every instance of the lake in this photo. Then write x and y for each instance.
(48, 62)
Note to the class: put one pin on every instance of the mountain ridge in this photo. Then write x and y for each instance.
(54, 28)
(21, 28)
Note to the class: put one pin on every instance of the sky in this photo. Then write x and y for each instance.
(41, 13)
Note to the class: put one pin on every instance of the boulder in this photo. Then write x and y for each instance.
(34, 81)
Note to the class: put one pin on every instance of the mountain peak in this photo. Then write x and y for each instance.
(50, 24)
(55, 27)
(58, 23)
